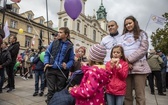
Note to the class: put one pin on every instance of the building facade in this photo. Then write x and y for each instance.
(34, 29)
(85, 30)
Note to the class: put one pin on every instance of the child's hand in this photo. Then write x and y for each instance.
(114, 61)
(64, 65)
(76, 58)
(84, 63)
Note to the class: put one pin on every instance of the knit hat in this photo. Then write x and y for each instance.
(97, 53)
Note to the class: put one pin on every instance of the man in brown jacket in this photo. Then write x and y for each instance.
(154, 62)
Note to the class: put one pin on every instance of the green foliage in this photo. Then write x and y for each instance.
(160, 37)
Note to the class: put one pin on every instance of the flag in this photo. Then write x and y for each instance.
(6, 30)
(158, 19)
(33, 41)
(1, 3)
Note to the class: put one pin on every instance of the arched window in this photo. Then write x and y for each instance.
(94, 35)
(65, 22)
(78, 25)
(85, 30)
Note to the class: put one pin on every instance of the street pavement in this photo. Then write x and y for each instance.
(23, 95)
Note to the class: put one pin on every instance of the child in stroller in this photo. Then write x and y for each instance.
(64, 97)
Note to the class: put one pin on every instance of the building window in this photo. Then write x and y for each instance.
(85, 30)
(29, 16)
(65, 23)
(94, 35)
(41, 21)
(15, 10)
(13, 24)
(29, 29)
(28, 41)
(49, 25)
(78, 26)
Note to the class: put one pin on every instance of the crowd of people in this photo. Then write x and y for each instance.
(112, 70)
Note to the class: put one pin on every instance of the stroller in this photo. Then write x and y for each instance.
(64, 97)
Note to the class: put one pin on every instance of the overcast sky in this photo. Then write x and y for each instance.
(116, 10)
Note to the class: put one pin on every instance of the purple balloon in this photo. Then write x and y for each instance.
(73, 8)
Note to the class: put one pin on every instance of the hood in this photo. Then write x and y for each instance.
(102, 74)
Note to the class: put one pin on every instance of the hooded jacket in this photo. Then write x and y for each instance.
(154, 62)
(91, 89)
(117, 82)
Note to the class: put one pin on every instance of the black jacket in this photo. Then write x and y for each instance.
(14, 50)
(5, 57)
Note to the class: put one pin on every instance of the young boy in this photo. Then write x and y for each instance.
(39, 74)
(5, 59)
(58, 59)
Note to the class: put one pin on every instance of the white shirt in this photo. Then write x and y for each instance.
(109, 42)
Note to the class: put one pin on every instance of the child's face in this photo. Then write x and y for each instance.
(117, 53)
(3, 45)
(81, 52)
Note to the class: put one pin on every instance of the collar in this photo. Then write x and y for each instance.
(115, 34)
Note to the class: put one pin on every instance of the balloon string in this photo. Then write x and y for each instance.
(47, 48)
(37, 34)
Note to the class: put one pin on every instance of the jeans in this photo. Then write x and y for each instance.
(163, 75)
(114, 100)
(2, 76)
(39, 75)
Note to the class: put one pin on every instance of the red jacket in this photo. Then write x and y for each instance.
(117, 83)
(91, 89)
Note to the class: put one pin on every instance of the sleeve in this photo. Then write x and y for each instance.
(102, 42)
(47, 54)
(122, 72)
(142, 50)
(87, 88)
(160, 60)
(8, 59)
(165, 61)
(71, 59)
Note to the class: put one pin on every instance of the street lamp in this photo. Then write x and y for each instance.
(47, 21)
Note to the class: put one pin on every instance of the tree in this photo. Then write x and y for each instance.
(160, 37)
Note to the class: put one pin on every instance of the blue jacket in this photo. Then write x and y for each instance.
(164, 58)
(39, 64)
(59, 52)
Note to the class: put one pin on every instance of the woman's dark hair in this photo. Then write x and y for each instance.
(136, 30)
(122, 52)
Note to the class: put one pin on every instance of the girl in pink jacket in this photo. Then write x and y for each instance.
(91, 89)
(116, 88)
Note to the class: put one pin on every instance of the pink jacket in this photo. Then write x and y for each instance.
(91, 89)
(117, 84)
(135, 51)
